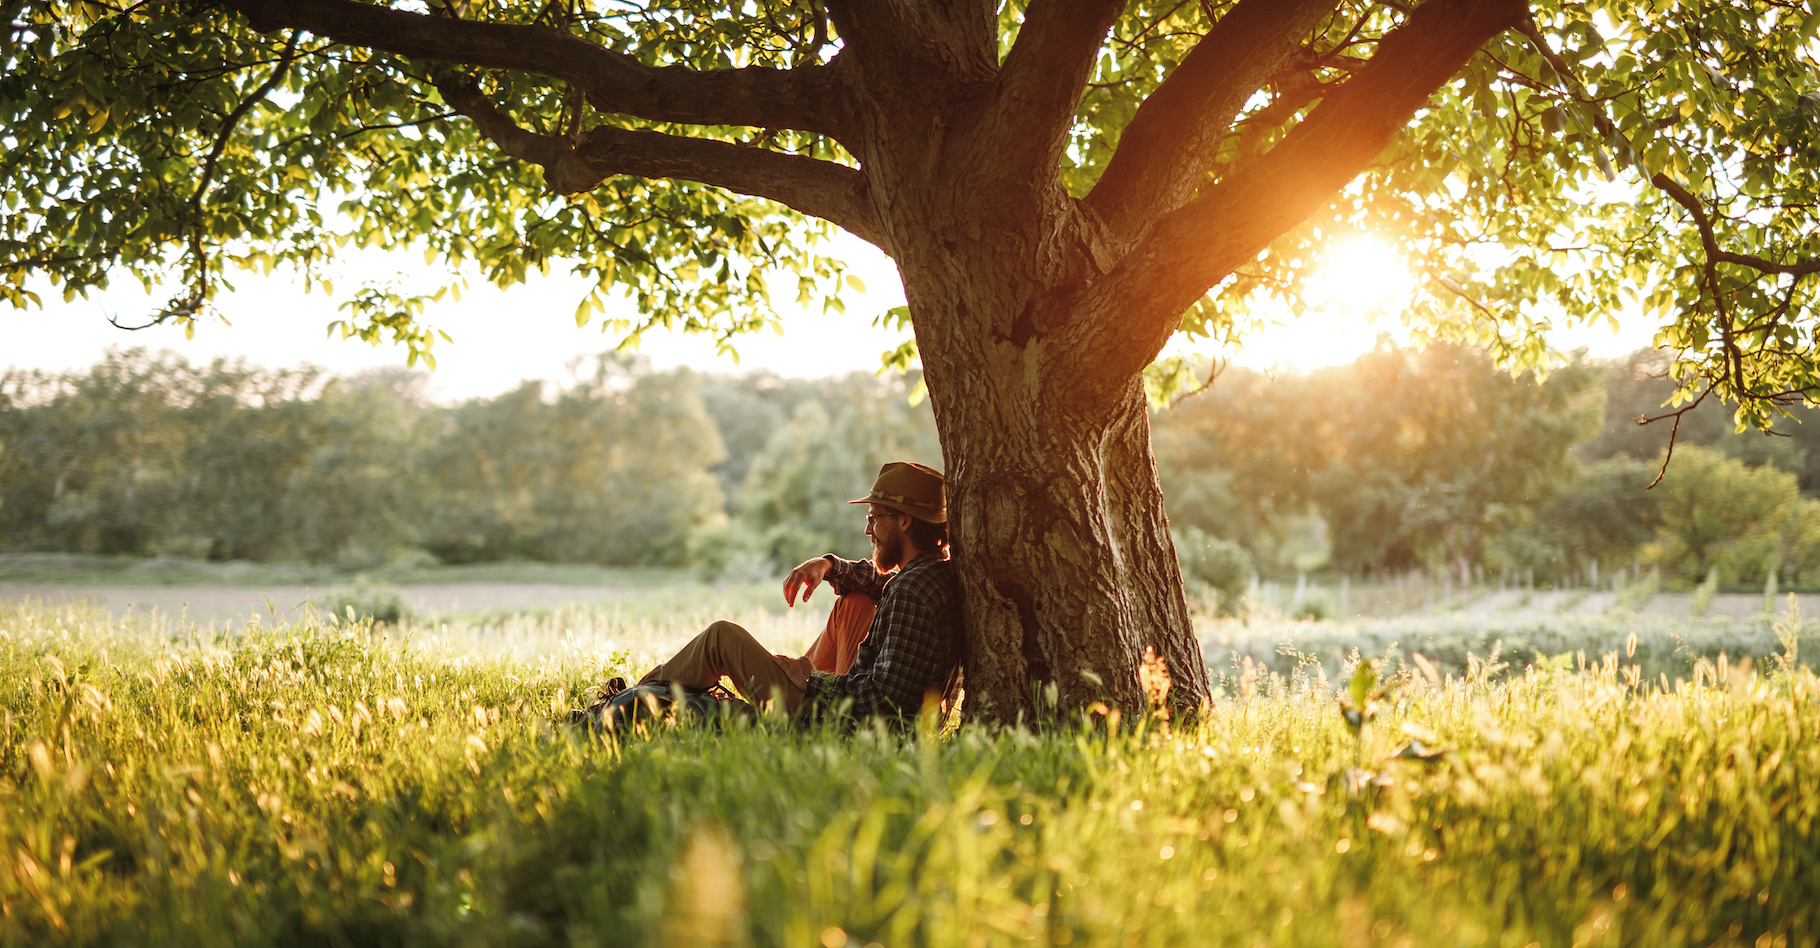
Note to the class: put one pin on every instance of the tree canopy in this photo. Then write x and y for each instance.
(1594, 159)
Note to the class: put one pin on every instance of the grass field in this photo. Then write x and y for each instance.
(322, 784)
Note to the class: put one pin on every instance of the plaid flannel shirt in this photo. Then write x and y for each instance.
(913, 644)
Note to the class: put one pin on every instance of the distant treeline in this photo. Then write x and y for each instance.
(1435, 460)
(1402, 460)
(147, 454)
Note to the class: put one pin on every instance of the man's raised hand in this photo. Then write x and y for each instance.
(805, 577)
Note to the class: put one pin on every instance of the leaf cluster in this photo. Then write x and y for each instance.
(199, 148)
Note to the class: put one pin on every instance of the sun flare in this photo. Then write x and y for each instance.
(1356, 283)
(1362, 276)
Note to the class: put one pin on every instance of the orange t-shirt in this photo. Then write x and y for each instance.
(835, 649)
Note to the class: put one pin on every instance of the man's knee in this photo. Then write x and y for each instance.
(726, 640)
(721, 628)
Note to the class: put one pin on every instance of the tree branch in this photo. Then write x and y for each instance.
(232, 121)
(1673, 431)
(1253, 128)
(191, 219)
(1194, 247)
(805, 98)
(1683, 197)
(900, 42)
(1169, 146)
(817, 188)
(1041, 81)
(1663, 182)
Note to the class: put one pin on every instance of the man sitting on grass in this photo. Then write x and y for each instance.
(914, 644)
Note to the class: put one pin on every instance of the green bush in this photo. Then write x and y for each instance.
(1221, 565)
(1703, 593)
(729, 550)
(1311, 609)
(364, 600)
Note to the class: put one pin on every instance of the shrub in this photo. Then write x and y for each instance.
(364, 600)
(729, 550)
(1219, 564)
(1311, 609)
(1703, 594)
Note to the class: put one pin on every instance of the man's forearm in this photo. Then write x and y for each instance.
(855, 576)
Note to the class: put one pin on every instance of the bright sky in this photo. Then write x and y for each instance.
(529, 332)
(500, 337)
(1357, 290)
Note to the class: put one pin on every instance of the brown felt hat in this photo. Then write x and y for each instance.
(911, 488)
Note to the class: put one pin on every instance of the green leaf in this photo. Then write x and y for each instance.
(1604, 163)
(1364, 681)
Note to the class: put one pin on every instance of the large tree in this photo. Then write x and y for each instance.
(1063, 185)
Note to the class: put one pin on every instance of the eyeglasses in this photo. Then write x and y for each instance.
(872, 519)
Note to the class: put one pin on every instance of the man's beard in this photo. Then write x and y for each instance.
(889, 555)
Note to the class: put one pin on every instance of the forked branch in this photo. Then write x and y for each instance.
(1040, 85)
(1673, 431)
(817, 188)
(190, 220)
(1170, 144)
(1191, 249)
(1710, 242)
(1732, 372)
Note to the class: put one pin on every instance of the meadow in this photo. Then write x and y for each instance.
(329, 782)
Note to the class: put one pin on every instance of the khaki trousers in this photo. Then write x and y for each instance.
(725, 648)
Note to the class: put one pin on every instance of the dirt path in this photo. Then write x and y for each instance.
(233, 605)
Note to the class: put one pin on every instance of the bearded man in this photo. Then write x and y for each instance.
(913, 645)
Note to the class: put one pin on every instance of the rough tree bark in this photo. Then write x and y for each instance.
(1035, 311)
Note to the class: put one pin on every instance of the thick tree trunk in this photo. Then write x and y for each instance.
(1057, 515)
(1067, 564)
